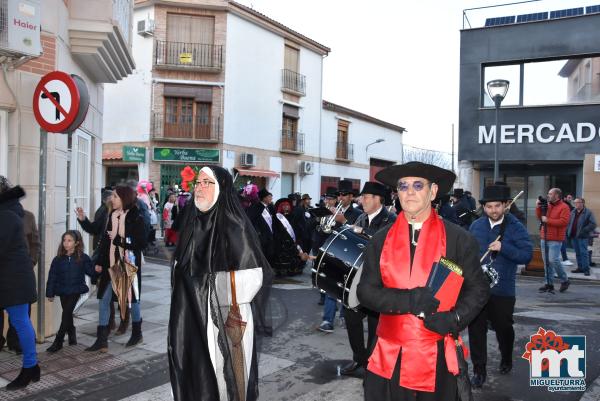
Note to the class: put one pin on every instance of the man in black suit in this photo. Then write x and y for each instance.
(375, 217)
(262, 220)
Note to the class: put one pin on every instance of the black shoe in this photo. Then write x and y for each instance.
(564, 286)
(56, 345)
(350, 368)
(26, 376)
(578, 270)
(136, 334)
(592, 264)
(2, 342)
(101, 343)
(72, 333)
(505, 368)
(547, 288)
(477, 380)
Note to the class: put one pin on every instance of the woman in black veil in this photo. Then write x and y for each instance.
(216, 238)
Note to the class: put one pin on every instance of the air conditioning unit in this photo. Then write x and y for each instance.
(248, 159)
(145, 27)
(306, 168)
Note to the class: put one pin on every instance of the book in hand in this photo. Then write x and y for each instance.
(445, 282)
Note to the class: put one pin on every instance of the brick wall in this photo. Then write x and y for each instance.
(47, 61)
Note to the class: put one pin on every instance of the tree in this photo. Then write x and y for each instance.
(437, 158)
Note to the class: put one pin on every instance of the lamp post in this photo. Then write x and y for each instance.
(497, 90)
(373, 143)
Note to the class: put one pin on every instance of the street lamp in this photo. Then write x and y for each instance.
(373, 143)
(497, 91)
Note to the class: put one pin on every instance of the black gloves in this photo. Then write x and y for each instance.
(422, 301)
(442, 322)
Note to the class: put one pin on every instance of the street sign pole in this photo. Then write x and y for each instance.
(41, 329)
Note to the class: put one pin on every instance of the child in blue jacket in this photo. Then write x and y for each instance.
(67, 280)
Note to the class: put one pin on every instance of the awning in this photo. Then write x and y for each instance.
(112, 154)
(256, 173)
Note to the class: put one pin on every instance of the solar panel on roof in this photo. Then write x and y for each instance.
(592, 9)
(532, 17)
(500, 21)
(569, 12)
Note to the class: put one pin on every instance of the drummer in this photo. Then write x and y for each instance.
(347, 215)
(375, 217)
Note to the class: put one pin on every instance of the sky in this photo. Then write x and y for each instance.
(397, 60)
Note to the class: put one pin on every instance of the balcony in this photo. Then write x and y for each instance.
(168, 127)
(292, 142)
(344, 152)
(100, 38)
(188, 56)
(293, 82)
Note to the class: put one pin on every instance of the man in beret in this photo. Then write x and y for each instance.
(501, 233)
(374, 218)
(415, 355)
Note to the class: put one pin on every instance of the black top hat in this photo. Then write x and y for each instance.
(495, 193)
(374, 188)
(458, 192)
(263, 193)
(345, 187)
(442, 177)
(331, 192)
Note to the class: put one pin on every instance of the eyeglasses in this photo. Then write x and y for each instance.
(205, 183)
(418, 186)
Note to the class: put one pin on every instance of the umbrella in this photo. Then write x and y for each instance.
(122, 275)
(462, 379)
(235, 327)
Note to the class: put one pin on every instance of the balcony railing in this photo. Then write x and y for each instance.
(345, 151)
(292, 141)
(194, 56)
(292, 81)
(189, 128)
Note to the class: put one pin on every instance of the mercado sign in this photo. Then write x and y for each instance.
(134, 154)
(542, 133)
(184, 155)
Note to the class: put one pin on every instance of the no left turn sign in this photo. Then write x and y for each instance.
(60, 102)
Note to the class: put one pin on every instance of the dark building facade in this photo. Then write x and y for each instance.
(550, 119)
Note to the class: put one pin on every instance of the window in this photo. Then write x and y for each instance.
(187, 118)
(289, 128)
(327, 182)
(291, 58)
(342, 140)
(554, 82)
(190, 29)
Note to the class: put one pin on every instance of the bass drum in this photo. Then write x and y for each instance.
(339, 265)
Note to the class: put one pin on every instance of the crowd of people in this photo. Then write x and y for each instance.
(410, 219)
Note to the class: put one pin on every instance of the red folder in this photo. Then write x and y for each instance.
(445, 281)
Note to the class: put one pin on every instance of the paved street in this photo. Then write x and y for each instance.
(299, 362)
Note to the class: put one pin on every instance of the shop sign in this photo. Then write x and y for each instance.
(543, 133)
(134, 154)
(184, 155)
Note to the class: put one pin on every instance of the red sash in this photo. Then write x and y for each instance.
(407, 333)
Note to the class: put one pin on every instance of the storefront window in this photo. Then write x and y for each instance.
(556, 82)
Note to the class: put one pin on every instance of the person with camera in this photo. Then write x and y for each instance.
(503, 234)
(554, 216)
(581, 225)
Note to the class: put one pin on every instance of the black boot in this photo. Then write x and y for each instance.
(72, 336)
(124, 324)
(58, 340)
(2, 342)
(26, 376)
(136, 334)
(101, 343)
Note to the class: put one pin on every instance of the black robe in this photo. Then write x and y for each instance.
(462, 248)
(286, 260)
(219, 240)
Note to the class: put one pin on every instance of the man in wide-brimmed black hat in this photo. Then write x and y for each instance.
(415, 356)
(507, 239)
(374, 218)
(261, 215)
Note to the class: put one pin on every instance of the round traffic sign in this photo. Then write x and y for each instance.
(58, 102)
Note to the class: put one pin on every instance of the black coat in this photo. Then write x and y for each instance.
(134, 229)
(461, 247)
(302, 227)
(67, 275)
(97, 227)
(381, 220)
(265, 235)
(17, 280)
(351, 214)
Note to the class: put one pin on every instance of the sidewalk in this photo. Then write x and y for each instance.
(73, 364)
